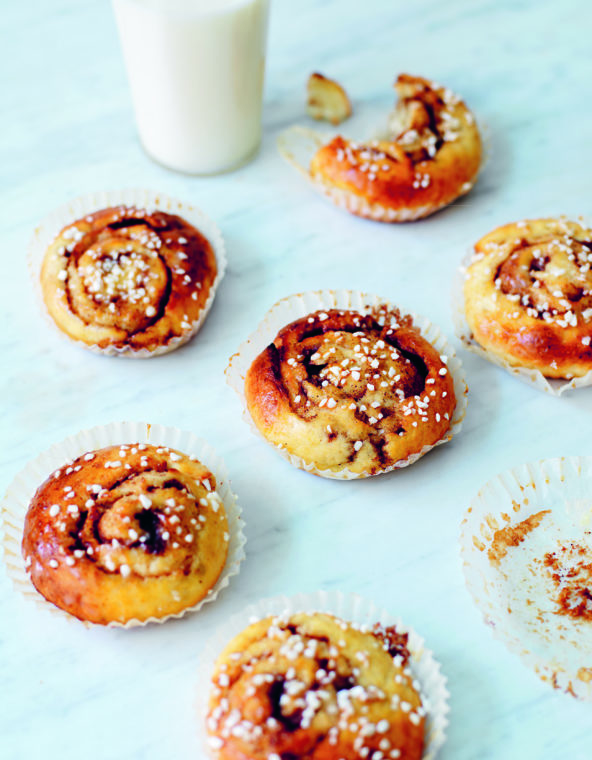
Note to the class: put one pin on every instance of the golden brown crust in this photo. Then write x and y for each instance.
(126, 532)
(128, 279)
(528, 296)
(344, 390)
(312, 686)
(432, 158)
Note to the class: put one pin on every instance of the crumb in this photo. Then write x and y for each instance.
(327, 100)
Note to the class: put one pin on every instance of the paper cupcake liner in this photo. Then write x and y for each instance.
(463, 332)
(296, 306)
(13, 508)
(351, 608)
(508, 574)
(80, 207)
(297, 145)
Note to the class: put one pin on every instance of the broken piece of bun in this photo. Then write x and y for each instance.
(327, 100)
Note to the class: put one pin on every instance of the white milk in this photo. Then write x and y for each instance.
(196, 75)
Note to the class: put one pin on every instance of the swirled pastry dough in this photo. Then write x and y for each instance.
(313, 686)
(431, 157)
(125, 533)
(128, 279)
(345, 390)
(528, 296)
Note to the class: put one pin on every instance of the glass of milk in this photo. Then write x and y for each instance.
(195, 69)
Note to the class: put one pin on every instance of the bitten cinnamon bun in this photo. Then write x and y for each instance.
(126, 533)
(313, 686)
(126, 280)
(431, 157)
(528, 296)
(345, 390)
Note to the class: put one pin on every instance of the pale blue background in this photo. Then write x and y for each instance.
(67, 128)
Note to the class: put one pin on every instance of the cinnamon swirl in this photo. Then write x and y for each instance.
(528, 296)
(313, 686)
(349, 391)
(127, 280)
(124, 533)
(431, 157)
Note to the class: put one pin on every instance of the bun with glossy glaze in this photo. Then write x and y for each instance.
(128, 532)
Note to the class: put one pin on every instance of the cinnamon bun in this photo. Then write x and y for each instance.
(430, 157)
(127, 280)
(128, 532)
(349, 391)
(528, 296)
(314, 686)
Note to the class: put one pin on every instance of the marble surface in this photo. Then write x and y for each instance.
(525, 68)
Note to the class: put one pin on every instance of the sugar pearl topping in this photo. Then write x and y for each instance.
(145, 518)
(426, 118)
(541, 270)
(305, 683)
(366, 376)
(124, 268)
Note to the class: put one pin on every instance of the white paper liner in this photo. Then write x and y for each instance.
(348, 607)
(46, 231)
(297, 145)
(296, 306)
(18, 496)
(463, 332)
(516, 594)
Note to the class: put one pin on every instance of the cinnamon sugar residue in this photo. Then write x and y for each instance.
(570, 567)
(513, 535)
